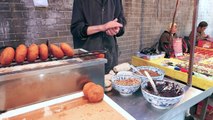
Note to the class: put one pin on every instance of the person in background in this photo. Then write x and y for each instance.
(200, 32)
(96, 24)
(166, 40)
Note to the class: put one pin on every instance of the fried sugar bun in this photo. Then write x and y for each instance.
(43, 52)
(32, 53)
(7, 56)
(93, 92)
(21, 53)
(56, 51)
(67, 49)
(86, 88)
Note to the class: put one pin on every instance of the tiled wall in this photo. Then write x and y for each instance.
(21, 22)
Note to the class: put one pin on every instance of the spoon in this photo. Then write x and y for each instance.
(152, 82)
(134, 68)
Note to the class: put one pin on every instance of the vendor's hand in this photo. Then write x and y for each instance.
(112, 24)
(113, 31)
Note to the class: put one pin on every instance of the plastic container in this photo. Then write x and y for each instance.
(150, 57)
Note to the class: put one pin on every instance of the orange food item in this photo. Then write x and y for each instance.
(95, 93)
(67, 49)
(86, 88)
(21, 53)
(43, 52)
(128, 82)
(33, 52)
(56, 51)
(101, 56)
(7, 56)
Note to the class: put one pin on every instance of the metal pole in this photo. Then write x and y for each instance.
(192, 41)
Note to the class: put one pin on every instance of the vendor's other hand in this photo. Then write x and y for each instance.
(113, 31)
(112, 24)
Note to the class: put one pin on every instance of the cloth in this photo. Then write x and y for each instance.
(96, 12)
(166, 43)
(199, 36)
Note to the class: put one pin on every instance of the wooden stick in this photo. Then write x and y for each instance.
(192, 41)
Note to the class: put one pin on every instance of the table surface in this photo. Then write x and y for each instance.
(139, 108)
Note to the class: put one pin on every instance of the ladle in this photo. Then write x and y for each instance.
(152, 82)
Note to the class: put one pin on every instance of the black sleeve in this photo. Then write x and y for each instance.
(165, 44)
(121, 19)
(78, 25)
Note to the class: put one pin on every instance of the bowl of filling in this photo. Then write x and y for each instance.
(169, 93)
(126, 84)
(155, 73)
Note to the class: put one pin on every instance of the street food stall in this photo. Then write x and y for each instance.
(52, 90)
(71, 86)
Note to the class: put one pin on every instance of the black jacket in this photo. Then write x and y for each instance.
(95, 12)
(166, 43)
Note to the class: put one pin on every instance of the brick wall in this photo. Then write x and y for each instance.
(130, 42)
(157, 14)
(147, 19)
(21, 22)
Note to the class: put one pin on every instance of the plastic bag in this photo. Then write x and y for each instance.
(40, 3)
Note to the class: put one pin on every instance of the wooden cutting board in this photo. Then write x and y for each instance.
(75, 109)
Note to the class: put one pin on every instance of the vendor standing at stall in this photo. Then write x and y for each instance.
(200, 32)
(95, 26)
(166, 40)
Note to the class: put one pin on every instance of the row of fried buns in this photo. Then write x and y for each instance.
(31, 53)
